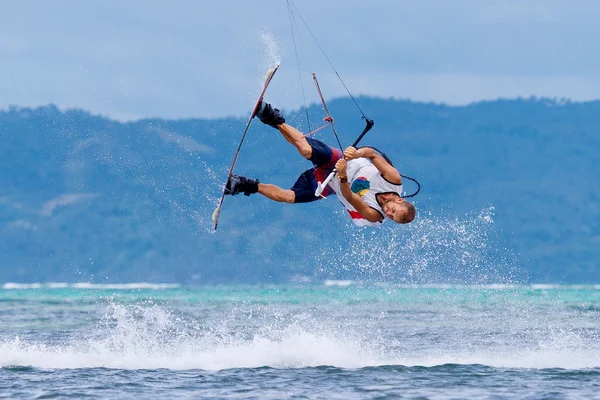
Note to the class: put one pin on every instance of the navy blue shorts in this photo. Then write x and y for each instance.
(323, 158)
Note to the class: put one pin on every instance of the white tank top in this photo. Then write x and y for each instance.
(366, 181)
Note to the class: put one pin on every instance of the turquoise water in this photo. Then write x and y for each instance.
(338, 339)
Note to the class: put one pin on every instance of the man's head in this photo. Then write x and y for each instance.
(399, 210)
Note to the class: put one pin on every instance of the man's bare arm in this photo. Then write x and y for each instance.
(387, 171)
(359, 205)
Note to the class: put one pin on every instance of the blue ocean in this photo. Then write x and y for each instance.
(328, 340)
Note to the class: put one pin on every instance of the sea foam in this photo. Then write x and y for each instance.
(152, 337)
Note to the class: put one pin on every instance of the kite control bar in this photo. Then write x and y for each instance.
(370, 124)
(321, 186)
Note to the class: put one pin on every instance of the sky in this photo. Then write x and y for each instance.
(136, 59)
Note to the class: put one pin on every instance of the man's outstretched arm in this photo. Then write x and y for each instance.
(387, 171)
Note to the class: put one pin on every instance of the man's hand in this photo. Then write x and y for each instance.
(341, 166)
(351, 153)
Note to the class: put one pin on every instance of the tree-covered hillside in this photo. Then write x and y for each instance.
(509, 194)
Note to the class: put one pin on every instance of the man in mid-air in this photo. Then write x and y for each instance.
(367, 185)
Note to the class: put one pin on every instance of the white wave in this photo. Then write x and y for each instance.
(12, 285)
(301, 279)
(544, 286)
(126, 286)
(499, 286)
(136, 337)
(57, 285)
(293, 348)
(145, 338)
(98, 286)
(340, 283)
(555, 349)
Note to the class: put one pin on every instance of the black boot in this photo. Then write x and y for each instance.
(269, 115)
(237, 184)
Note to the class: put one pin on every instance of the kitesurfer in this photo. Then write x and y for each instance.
(369, 187)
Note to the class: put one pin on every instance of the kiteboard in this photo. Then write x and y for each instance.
(269, 77)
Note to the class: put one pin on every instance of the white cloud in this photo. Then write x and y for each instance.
(179, 59)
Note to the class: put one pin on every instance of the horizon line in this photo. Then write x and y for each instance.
(554, 101)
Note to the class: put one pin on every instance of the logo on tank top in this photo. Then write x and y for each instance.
(360, 186)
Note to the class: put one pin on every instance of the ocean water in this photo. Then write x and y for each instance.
(335, 340)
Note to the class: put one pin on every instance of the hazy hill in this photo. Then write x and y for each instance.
(509, 193)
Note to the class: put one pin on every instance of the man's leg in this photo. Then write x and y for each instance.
(240, 184)
(303, 190)
(271, 116)
(276, 193)
(297, 139)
